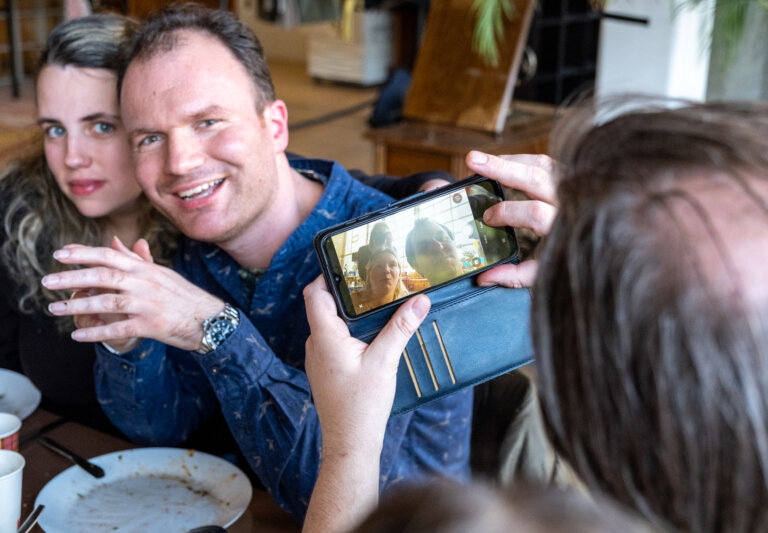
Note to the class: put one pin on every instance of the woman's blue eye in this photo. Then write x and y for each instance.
(54, 132)
(103, 127)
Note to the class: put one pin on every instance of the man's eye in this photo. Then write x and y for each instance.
(208, 122)
(54, 132)
(148, 140)
(103, 127)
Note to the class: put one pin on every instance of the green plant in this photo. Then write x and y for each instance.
(729, 17)
(489, 28)
(490, 15)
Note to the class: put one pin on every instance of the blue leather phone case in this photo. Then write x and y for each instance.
(471, 334)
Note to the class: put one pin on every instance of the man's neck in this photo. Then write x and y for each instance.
(295, 199)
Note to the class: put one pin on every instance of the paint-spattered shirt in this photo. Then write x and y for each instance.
(157, 394)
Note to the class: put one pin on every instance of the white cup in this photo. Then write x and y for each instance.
(9, 431)
(11, 465)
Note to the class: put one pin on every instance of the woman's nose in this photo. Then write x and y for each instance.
(77, 155)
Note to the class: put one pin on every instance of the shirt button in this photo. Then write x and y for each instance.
(126, 366)
(215, 370)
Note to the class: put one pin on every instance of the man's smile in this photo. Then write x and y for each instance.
(201, 191)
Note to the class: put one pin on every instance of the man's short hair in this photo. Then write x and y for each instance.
(410, 252)
(159, 34)
(650, 320)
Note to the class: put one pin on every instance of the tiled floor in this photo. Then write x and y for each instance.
(340, 139)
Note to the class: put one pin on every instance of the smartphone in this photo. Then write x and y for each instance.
(416, 245)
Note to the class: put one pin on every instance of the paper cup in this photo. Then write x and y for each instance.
(9, 431)
(11, 465)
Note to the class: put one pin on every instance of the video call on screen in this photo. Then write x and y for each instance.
(419, 247)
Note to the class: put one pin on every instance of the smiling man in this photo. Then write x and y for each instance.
(227, 329)
(430, 250)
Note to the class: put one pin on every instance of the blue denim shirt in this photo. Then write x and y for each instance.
(158, 395)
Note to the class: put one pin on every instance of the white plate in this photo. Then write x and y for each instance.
(147, 489)
(17, 394)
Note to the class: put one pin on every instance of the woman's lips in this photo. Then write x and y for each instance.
(85, 187)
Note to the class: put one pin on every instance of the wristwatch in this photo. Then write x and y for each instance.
(218, 328)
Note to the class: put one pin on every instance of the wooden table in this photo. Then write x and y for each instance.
(263, 514)
(411, 146)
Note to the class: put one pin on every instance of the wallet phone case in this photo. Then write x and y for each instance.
(471, 334)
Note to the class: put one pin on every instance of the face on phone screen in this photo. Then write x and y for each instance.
(419, 247)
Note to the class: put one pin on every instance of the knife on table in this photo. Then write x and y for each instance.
(94, 470)
(31, 520)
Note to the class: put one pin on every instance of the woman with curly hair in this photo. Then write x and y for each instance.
(78, 187)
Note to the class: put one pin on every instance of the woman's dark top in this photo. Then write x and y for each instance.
(61, 368)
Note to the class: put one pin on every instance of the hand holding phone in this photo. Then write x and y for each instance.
(436, 243)
(534, 175)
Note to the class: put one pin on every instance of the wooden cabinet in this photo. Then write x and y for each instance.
(411, 146)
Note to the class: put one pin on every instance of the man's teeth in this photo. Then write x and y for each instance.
(201, 191)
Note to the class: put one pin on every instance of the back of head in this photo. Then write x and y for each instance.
(651, 312)
(159, 34)
(88, 42)
(448, 507)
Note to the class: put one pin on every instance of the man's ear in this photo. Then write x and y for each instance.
(276, 117)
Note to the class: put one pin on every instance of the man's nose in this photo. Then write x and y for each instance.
(184, 154)
(77, 154)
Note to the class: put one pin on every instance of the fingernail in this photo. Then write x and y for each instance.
(56, 307)
(78, 335)
(61, 254)
(478, 158)
(50, 279)
(421, 306)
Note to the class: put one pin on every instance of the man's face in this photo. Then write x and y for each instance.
(435, 256)
(204, 156)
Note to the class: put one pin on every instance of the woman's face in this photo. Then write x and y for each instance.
(383, 273)
(85, 144)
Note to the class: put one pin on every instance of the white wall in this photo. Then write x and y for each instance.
(668, 57)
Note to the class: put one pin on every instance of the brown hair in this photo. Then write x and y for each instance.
(651, 350)
(159, 34)
(445, 506)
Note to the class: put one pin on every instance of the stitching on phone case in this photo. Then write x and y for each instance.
(427, 359)
(410, 371)
(445, 353)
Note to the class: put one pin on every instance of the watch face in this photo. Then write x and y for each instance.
(220, 330)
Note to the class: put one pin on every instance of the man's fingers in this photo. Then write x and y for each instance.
(513, 276)
(98, 277)
(108, 303)
(532, 174)
(392, 339)
(95, 256)
(118, 245)
(141, 248)
(534, 215)
(114, 332)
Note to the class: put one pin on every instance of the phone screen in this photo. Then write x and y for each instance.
(416, 248)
